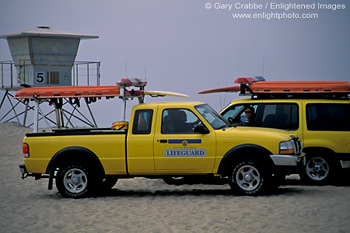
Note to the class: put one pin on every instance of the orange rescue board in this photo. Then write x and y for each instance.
(301, 86)
(72, 92)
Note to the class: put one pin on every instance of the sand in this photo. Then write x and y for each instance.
(144, 205)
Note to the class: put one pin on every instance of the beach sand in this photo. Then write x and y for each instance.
(145, 205)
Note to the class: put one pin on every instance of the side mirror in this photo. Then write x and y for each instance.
(201, 129)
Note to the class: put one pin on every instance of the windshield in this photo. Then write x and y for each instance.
(213, 118)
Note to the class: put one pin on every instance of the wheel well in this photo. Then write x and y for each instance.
(78, 154)
(242, 151)
(324, 152)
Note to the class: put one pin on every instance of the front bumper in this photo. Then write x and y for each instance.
(345, 164)
(288, 160)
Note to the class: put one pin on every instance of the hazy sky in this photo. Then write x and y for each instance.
(186, 47)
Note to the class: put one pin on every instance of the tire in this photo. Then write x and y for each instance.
(249, 177)
(277, 180)
(74, 180)
(107, 183)
(318, 170)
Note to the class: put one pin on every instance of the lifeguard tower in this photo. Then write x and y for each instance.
(44, 57)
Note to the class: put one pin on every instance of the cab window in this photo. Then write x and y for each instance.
(178, 121)
(280, 116)
(142, 122)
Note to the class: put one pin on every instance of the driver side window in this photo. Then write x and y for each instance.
(232, 112)
(178, 121)
(236, 114)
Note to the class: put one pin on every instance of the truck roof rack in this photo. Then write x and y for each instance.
(56, 95)
(258, 88)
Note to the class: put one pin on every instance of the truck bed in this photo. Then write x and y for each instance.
(77, 131)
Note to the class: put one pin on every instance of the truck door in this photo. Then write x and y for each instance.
(140, 143)
(178, 149)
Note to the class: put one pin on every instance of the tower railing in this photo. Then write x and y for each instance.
(84, 73)
(8, 74)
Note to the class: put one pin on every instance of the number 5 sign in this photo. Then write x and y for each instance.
(40, 77)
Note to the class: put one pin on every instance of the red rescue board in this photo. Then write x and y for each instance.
(288, 87)
(221, 89)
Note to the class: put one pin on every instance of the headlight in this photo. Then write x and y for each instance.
(287, 147)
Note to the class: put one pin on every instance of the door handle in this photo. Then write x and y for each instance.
(163, 141)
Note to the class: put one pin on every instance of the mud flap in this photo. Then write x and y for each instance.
(52, 175)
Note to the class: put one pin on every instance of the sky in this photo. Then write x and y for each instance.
(188, 46)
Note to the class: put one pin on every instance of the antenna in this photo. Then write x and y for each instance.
(220, 98)
(126, 69)
(263, 66)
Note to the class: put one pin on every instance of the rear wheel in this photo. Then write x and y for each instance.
(249, 177)
(175, 180)
(74, 180)
(107, 183)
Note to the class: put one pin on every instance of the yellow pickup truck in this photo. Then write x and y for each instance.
(162, 140)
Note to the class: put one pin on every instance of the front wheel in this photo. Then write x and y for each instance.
(318, 170)
(74, 180)
(249, 177)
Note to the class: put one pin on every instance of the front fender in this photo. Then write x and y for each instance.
(240, 151)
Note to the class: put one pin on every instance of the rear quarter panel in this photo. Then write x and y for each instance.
(338, 141)
(109, 148)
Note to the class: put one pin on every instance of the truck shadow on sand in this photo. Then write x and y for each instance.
(195, 192)
(289, 187)
(341, 182)
(116, 192)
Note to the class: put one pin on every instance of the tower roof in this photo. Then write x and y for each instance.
(46, 31)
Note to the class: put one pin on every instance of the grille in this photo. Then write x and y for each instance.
(298, 145)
